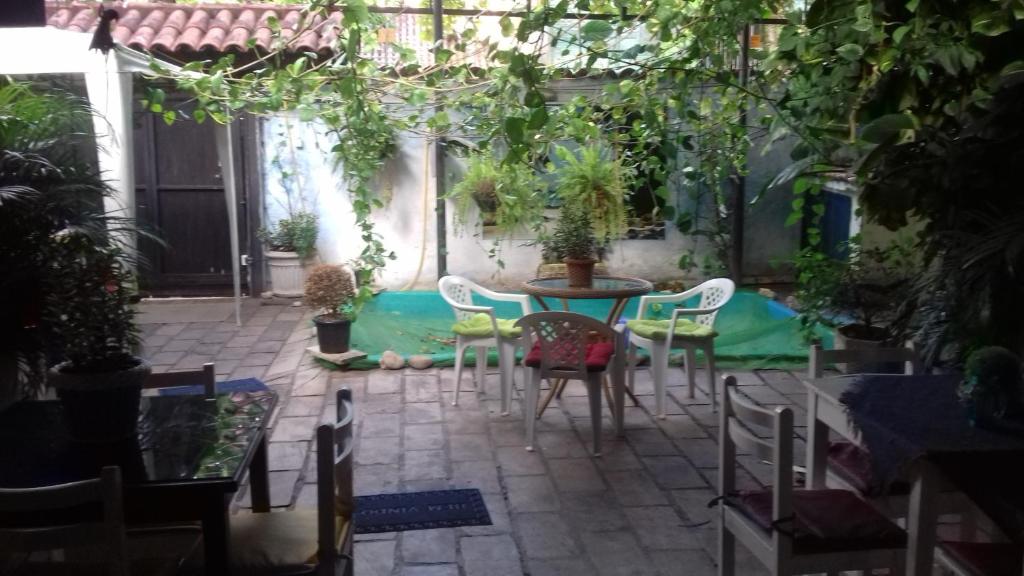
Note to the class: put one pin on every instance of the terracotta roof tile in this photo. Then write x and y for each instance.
(183, 30)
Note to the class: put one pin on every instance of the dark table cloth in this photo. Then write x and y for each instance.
(904, 418)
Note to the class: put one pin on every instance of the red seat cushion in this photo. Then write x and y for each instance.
(824, 521)
(598, 356)
(853, 465)
(986, 558)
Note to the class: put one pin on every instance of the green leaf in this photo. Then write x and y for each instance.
(862, 25)
(442, 55)
(199, 115)
(884, 127)
(991, 23)
(595, 30)
(169, 117)
(507, 27)
(538, 118)
(851, 52)
(912, 5)
(515, 128)
(533, 99)
(897, 36)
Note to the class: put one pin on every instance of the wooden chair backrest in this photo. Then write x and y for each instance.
(106, 533)
(563, 338)
(207, 376)
(819, 358)
(335, 491)
(736, 418)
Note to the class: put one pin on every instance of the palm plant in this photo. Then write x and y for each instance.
(49, 196)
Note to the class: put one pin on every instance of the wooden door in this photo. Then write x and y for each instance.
(180, 197)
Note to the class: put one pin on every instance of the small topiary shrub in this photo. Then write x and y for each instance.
(329, 288)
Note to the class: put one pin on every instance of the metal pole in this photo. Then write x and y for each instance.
(437, 10)
(739, 196)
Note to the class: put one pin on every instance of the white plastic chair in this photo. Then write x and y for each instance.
(458, 293)
(714, 294)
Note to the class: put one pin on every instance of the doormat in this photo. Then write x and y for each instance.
(420, 511)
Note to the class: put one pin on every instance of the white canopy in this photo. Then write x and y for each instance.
(108, 80)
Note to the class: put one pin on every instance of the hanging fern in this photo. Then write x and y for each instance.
(592, 180)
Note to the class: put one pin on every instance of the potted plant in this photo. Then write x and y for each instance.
(292, 241)
(99, 381)
(861, 296)
(62, 274)
(595, 182)
(573, 242)
(508, 195)
(329, 289)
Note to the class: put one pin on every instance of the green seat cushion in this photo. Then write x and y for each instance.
(480, 326)
(658, 329)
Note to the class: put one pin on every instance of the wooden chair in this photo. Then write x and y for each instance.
(206, 376)
(494, 333)
(81, 525)
(572, 346)
(981, 558)
(849, 466)
(306, 541)
(659, 337)
(792, 531)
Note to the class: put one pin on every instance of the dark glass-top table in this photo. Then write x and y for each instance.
(185, 464)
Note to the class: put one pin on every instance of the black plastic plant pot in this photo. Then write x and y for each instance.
(332, 333)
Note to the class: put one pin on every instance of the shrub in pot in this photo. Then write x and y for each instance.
(99, 381)
(573, 242)
(861, 296)
(330, 290)
(291, 242)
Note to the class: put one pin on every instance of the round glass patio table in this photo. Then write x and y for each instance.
(617, 288)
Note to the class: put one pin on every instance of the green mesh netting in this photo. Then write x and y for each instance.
(754, 331)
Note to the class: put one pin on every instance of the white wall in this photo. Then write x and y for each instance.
(407, 224)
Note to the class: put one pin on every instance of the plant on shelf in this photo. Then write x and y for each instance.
(330, 290)
(574, 244)
(596, 184)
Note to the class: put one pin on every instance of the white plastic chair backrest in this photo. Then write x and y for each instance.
(457, 291)
(714, 293)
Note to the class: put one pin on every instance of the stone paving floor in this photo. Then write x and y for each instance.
(639, 509)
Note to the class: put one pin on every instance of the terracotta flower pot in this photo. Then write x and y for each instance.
(580, 272)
